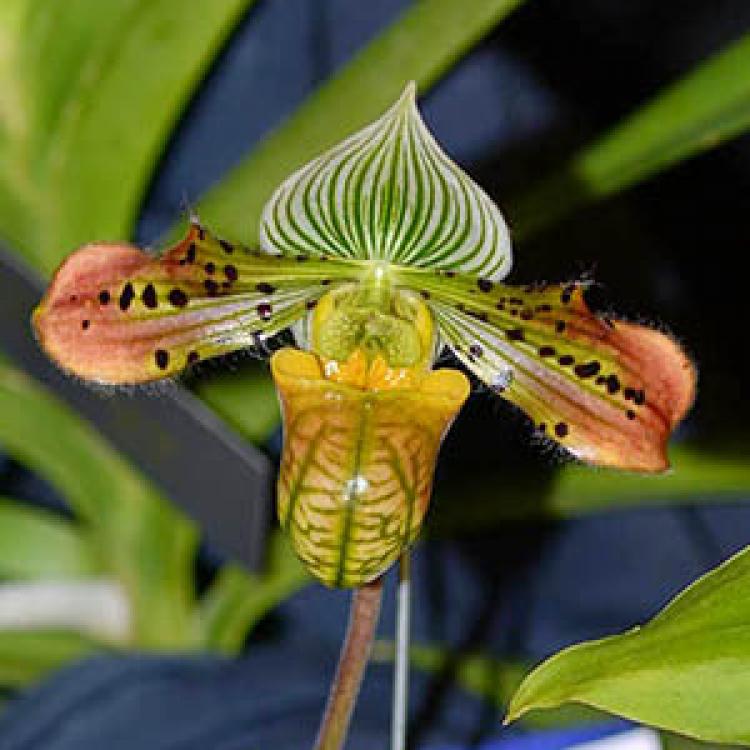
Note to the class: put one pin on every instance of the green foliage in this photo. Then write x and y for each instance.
(124, 529)
(38, 544)
(688, 670)
(699, 112)
(84, 115)
(138, 536)
(236, 601)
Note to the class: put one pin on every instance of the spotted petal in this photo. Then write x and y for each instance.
(609, 391)
(389, 193)
(116, 314)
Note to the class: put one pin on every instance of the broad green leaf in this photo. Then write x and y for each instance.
(139, 538)
(421, 45)
(26, 657)
(687, 670)
(696, 477)
(91, 90)
(237, 601)
(389, 193)
(38, 544)
(707, 107)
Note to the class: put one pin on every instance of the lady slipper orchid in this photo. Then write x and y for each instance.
(378, 253)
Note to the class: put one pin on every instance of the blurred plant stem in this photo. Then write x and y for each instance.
(355, 654)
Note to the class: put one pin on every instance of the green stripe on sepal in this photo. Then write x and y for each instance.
(389, 193)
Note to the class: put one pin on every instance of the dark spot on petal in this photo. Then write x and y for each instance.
(566, 360)
(424, 294)
(85, 324)
(310, 304)
(560, 326)
(630, 414)
(640, 397)
(450, 274)
(73, 297)
(226, 246)
(544, 308)
(485, 285)
(561, 429)
(178, 298)
(500, 305)
(629, 394)
(149, 297)
(515, 301)
(526, 315)
(567, 294)
(104, 297)
(542, 427)
(201, 232)
(475, 350)
(126, 297)
(264, 311)
(609, 322)
(613, 384)
(303, 258)
(265, 288)
(588, 369)
(230, 272)
(325, 282)
(515, 334)
(211, 287)
(193, 357)
(162, 358)
(190, 255)
(547, 351)
(210, 267)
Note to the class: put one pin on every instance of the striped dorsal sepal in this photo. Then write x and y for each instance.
(389, 193)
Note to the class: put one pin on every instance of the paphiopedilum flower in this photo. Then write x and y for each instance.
(378, 253)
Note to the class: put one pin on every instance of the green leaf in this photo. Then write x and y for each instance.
(389, 193)
(702, 110)
(80, 138)
(26, 657)
(236, 601)
(421, 45)
(38, 544)
(688, 670)
(139, 538)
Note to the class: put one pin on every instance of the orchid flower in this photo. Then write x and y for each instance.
(378, 253)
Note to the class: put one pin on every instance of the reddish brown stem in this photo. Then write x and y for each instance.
(355, 653)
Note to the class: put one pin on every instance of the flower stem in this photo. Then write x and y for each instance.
(355, 653)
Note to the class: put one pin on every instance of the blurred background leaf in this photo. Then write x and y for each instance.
(37, 544)
(80, 138)
(699, 112)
